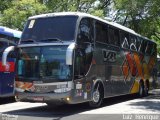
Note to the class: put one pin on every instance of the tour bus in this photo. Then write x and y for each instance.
(73, 57)
(158, 70)
(8, 37)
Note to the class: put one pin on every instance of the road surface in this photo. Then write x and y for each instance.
(117, 108)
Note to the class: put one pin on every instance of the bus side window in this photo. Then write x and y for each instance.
(138, 44)
(3, 45)
(133, 42)
(113, 36)
(101, 32)
(79, 63)
(149, 48)
(84, 31)
(125, 40)
(154, 49)
(143, 46)
(83, 52)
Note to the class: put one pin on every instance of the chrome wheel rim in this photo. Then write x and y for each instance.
(96, 96)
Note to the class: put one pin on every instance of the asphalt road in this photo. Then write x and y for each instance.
(117, 108)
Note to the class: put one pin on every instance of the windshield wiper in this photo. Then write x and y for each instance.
(51, 40)
(28, 41)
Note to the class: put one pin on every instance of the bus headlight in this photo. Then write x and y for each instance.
(19, 90)
(62, 90)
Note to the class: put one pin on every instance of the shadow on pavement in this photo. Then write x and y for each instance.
(7, 100)
(63, 111)
(66, 110)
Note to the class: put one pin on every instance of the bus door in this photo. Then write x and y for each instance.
(83, 58)
(7, 75)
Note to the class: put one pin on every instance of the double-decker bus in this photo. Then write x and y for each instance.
(73, 57)
(8, 37)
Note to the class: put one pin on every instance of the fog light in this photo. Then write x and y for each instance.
(68, 98)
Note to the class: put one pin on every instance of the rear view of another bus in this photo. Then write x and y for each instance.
(8, 37)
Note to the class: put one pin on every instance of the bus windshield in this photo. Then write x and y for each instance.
(47, 63)
(51, 29)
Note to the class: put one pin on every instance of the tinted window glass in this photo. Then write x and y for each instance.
(133, 42)
(150, 47)
(85, 31)
(62, 27)
(138, 44)
(143, 46)
(125, 40)
(101, 32)
(113, 36)
(47, 63)
(5, 42)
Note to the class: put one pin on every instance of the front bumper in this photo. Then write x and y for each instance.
(45, 98)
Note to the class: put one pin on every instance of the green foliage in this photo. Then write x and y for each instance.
(143, 16)
(16, 15)
(18, 11)
(5, 4)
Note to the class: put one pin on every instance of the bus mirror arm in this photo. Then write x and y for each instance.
(69, 54)
(5, 54)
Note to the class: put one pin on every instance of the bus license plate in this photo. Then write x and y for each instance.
(38, 98)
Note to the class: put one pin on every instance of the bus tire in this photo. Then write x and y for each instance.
(97, 96)
(141, 89)
(146, 89)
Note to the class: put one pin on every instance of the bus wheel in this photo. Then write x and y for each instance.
(97, 96)
(141, 89)
(146, 89)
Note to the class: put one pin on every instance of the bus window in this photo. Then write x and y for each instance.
(62, 28)
(101, 32)
(113, 36)
(83, 53)
(79, 63)
(125, 40)
(83, 58)
(84, 31)
(138, 44)
(3, 45)
(149, 48)
(154, 50)
(143, 46)
(133, 42)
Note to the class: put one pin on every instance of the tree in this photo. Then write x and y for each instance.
(5, 4)
(16, 15)
(95, 7)
(143, 16)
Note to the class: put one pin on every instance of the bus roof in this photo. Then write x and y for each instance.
(80, 14)
(10, 32)
(83, 15)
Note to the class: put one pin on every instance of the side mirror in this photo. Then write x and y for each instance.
(5, 54)
(69, 54)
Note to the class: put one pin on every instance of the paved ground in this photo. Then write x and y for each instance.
(118, 108)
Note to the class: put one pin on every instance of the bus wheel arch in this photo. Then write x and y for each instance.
(97, 95)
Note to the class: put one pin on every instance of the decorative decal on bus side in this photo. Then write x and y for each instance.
(88, 87)
(78, 86)
(8, 68)
(135, 66)
(109, 56)
(24, 86)
(138, 64)
(131, 63)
